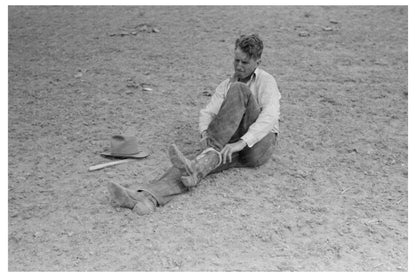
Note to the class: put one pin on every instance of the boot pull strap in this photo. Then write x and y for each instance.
(210, 149)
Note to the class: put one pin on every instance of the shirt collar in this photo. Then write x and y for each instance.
(255, 73)
(253, 76)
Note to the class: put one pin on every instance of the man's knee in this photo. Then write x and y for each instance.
(239, 89)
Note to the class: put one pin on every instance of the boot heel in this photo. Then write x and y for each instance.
(189, 181)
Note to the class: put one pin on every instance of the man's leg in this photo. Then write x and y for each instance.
(217, 132)
(146, 197)
(165, 187)
(238, 111)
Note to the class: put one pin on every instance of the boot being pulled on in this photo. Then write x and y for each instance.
(141, 203)
(196, 169)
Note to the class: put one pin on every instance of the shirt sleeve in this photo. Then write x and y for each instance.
(269, 101)
(207, 114)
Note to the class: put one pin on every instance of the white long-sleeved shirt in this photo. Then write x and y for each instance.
(265, 90)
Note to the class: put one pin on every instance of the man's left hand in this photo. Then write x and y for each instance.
(231, 148)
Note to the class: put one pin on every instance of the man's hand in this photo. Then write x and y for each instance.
(231, 148)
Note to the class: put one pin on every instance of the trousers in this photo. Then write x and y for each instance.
(238, 112)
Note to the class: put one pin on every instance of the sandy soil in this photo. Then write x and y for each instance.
(334, 197)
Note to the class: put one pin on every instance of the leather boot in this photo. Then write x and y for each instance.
(198, 168)
(141, 203)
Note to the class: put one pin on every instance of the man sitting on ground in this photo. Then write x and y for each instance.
(239, 128)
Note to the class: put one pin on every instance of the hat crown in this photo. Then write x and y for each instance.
(123, 145)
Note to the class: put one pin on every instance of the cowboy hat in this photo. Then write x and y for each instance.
(125, 147)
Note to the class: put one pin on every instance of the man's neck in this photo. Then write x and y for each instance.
(246, 79)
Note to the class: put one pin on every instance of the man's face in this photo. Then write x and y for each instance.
(243, 64)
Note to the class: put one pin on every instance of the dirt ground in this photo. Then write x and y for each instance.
(334, 197)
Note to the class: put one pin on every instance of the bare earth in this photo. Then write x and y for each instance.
(334, 197)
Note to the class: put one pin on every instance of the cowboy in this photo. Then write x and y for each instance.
(239, 128)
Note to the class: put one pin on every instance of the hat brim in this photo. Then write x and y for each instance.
(140, 155)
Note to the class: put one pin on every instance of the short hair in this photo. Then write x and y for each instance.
(252, 45)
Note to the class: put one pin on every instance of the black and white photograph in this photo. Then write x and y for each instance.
(207, 138)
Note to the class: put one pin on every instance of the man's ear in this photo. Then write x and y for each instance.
(258, 62)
